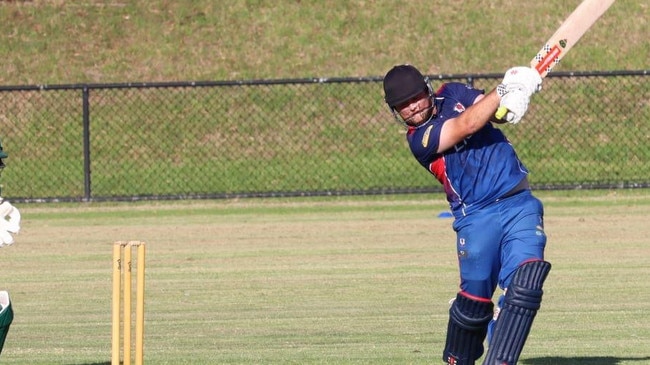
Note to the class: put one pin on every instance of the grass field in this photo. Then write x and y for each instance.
(308, 281)
(62, 42)
(316, 281)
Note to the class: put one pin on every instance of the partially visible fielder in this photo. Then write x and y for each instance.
(498, 222)
(9, 225)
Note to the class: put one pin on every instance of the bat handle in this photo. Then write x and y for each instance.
(501, 112)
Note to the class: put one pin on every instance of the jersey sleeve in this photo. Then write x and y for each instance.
(463, 93)
(451, 99)
(424, 143)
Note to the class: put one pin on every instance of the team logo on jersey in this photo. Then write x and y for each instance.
(459, 108)
(425, 137)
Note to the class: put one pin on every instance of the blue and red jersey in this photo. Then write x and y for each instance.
(478, 170)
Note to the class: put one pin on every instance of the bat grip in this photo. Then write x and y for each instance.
(501, 112)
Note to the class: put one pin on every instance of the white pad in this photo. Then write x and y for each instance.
(5, 237)
(4, 300)
(9, 223)
(13, 214)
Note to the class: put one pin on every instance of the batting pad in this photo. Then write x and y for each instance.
(466, 331)
(522, 300)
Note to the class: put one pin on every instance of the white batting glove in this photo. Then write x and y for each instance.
(9, 223)
(522, 78)
(515, 105)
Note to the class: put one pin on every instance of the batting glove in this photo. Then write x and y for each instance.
(515, 104)
(523, 78)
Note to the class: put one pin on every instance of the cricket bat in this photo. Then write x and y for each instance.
(565, 37)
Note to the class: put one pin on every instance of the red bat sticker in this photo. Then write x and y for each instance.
(549, 58)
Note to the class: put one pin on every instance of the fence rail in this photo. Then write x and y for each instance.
(295, 137)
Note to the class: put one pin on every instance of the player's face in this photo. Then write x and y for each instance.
(417, 110)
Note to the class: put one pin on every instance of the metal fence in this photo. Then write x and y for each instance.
(295, 137)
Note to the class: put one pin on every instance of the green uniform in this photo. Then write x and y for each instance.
(6, 317)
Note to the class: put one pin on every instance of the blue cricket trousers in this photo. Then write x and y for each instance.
(494, 241)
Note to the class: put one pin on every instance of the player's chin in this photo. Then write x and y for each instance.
(418, 118)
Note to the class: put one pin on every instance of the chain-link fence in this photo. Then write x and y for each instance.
(295, 137)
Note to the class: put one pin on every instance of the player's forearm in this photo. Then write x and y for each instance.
(468, 122)
(480, 113)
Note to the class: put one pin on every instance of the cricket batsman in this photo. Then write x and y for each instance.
(499, 224)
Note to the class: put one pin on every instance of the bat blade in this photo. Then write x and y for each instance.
(564, 38)
(568, 34)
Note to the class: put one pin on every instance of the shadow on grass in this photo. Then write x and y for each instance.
(590, 360)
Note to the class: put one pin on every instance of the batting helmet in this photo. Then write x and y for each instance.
(402, 83)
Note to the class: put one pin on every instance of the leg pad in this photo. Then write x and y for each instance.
(468, 320)
(522, 300)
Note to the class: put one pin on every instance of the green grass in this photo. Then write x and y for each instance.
(202, 140)
(318, 281)
(191, 141)
(54, 42)
(315, 281)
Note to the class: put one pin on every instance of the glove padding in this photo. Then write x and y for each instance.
(9, 223)
(516, 102)
(522, 78)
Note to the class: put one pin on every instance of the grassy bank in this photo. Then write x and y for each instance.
(50, 42)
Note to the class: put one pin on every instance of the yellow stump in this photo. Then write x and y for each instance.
(139, 310)
(127, 304)
(122, 295)
(117, 277)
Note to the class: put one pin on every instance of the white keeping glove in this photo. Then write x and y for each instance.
(9, 223)
(515, 104)
(522, 78)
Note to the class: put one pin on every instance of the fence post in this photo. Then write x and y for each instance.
(86, 142)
